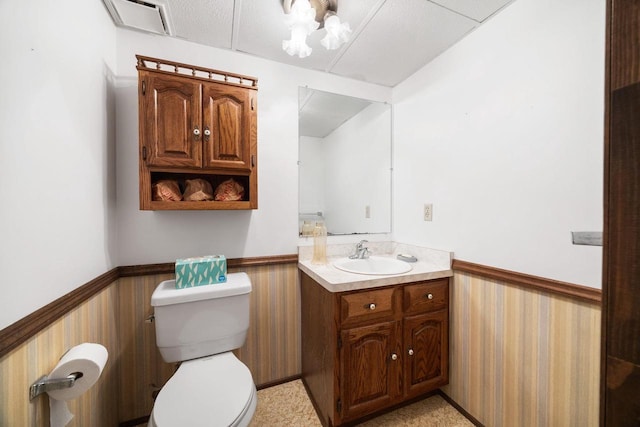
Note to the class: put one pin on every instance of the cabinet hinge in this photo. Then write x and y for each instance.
(251, 104)
(253, 160)
(144, 153)
(339, 406)
(339, 341)
(144, 87)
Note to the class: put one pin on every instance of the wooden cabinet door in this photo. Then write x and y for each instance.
(171, 121)
(227, 126)
(426, 353)
(370, 369)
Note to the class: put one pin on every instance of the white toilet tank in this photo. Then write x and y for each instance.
(203, 320)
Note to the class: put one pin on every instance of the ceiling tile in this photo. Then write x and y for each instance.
(203, 21)
(391, 39)
(474, 9)
(402, 37)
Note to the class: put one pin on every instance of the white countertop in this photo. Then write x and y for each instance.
(431, 264)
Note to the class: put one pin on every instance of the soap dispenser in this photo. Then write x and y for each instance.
(319, 244)
(307, 229)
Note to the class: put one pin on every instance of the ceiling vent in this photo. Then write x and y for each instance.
(151, 15)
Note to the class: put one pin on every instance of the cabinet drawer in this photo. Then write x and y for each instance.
(426, 296)
(367, 305)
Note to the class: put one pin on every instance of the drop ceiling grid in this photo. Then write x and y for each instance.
(402, 37)
(391, 39)
(474, 9)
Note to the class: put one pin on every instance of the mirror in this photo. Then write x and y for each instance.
(344, 164)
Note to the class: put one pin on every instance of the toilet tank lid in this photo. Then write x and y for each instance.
(166, 292)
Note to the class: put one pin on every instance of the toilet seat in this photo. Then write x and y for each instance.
(215, 390)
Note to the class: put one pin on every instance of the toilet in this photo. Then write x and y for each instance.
(199, 327)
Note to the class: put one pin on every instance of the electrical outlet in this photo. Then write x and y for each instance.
(367, 211)
(428, 212)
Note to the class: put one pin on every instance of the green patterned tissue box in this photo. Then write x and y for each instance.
(205, 270)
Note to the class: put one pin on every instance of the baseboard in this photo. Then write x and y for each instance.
(278, 382)
(460, 409)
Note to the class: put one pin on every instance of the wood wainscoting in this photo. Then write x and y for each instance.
(94, 320)
(520, 356)
(115, 315)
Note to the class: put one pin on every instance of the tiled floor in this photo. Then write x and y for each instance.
(288, 405)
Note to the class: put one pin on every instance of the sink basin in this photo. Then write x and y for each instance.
(373, 266)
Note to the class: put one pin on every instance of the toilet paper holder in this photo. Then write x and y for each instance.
(45, 384)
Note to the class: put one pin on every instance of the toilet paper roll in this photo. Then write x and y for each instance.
(59, 414)
(87, 359)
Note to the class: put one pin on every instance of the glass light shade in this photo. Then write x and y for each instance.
(337, 32)
(302, 22)
(298, 43)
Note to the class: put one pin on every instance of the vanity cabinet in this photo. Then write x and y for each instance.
(196, 122)
(426, 336)
(367, 350)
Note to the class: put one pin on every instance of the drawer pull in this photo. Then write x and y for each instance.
(394, 356)
(410, 352)
(429, 296)
(371, 306)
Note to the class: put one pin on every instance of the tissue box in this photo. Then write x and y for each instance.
(206, 270)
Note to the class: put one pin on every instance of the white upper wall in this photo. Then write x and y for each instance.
(503, 133)
(57, 180)
(162, 236)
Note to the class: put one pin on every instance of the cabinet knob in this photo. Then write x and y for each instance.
(429, 296)
(207, 132)
(410, 352)
(196, 132)
(394, 356)
(372, 306)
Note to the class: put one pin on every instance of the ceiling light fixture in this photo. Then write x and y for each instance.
(303, 17)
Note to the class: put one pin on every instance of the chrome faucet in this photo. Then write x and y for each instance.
(362, 252)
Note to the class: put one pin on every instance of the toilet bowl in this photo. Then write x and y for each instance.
(199, 327)
(211, 391)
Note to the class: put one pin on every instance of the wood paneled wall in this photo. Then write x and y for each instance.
(142, 370)
(272, 350)
(96, 321)
(116, 318)
(521, 357)
(518, 356)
